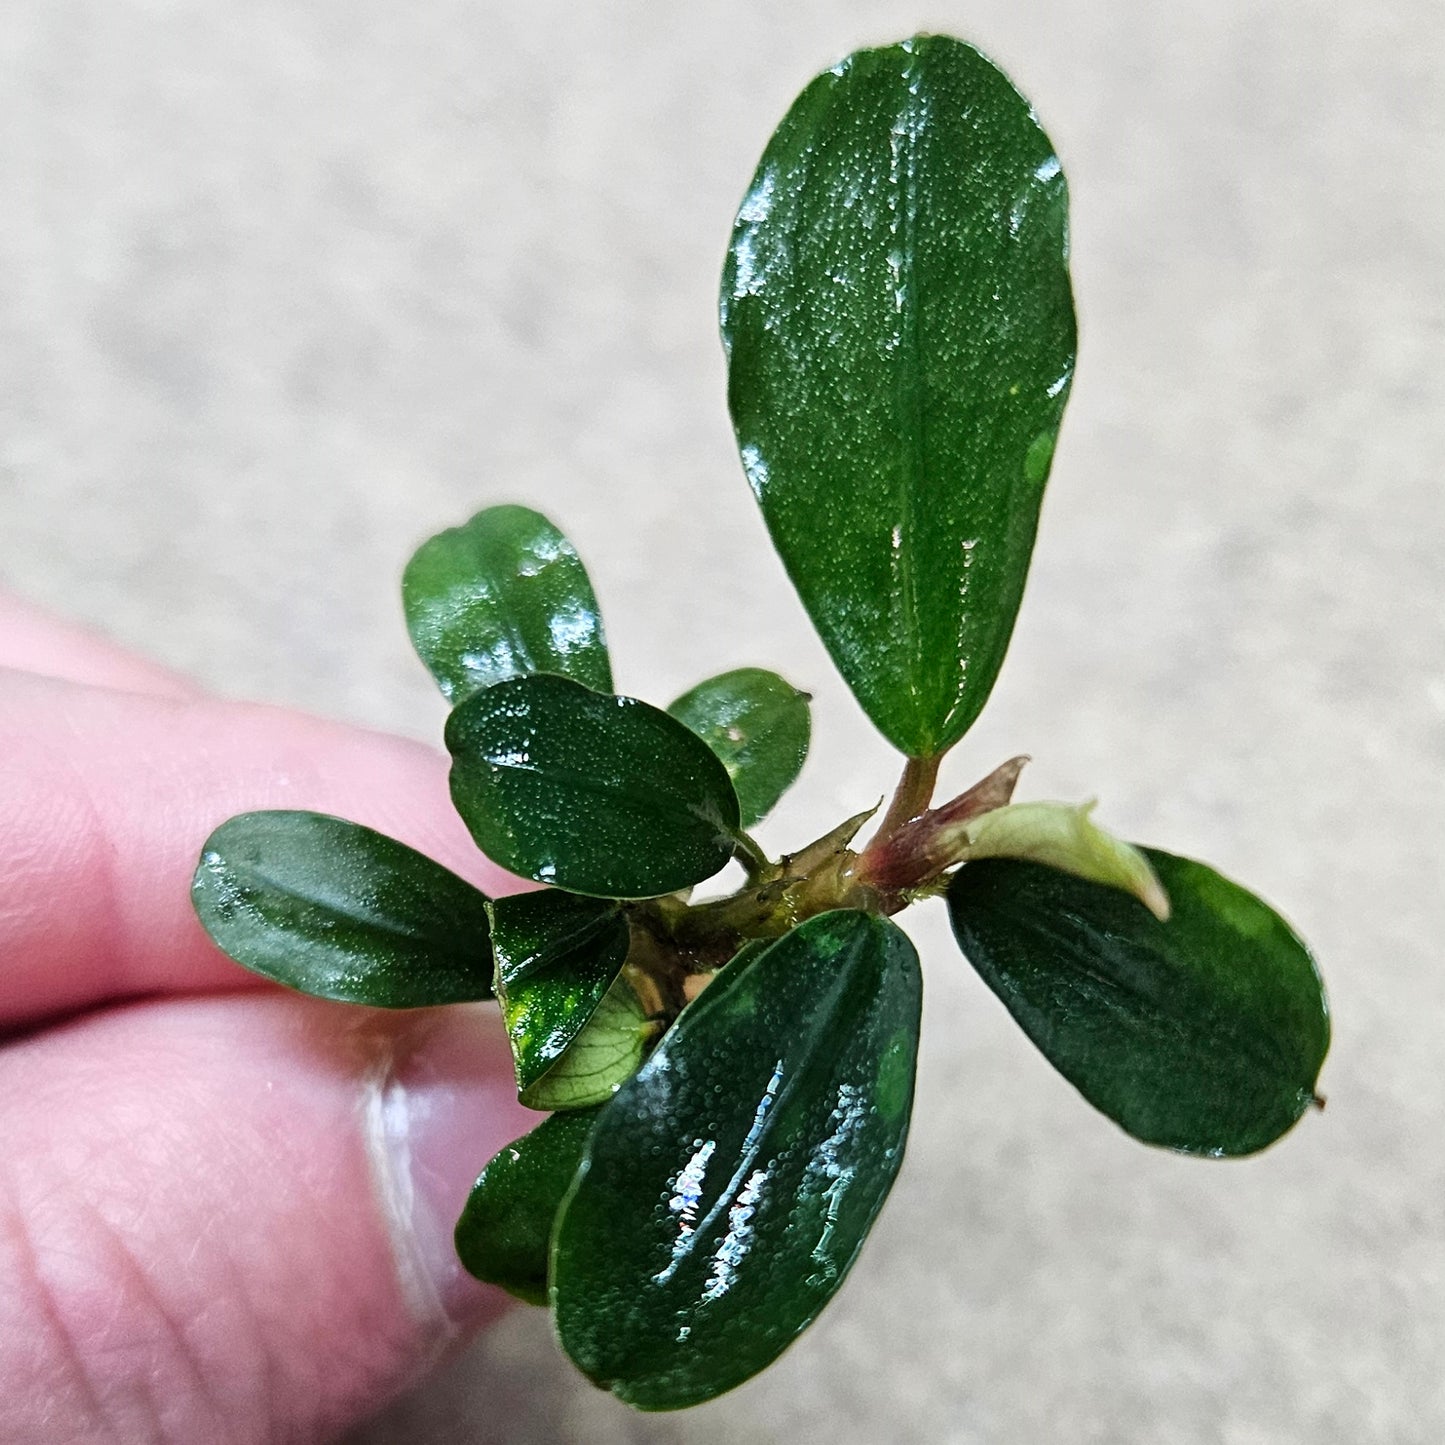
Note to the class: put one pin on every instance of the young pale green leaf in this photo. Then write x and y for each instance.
(503, 1234)
(1204, 1034)
(557, 956)
(1063, 835)
(533, 932)
(728, 1187)
(600, 795)
(332, 909)
(758, 725)
(503, 595)
(604, 1054)
(900, 331)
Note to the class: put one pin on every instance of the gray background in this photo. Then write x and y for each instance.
(283, 287)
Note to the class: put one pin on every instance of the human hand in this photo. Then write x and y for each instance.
(225, 1210)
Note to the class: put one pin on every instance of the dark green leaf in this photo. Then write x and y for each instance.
(728, 1187)
(504, 1230)
(557, 955)
(606, 1052)
(1204, 1034)
(502, 596)
(335, 910)
(758, 725)
(533, 932)
(598, 794)
(900, 328)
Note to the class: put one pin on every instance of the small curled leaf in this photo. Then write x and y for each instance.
(758, 725)
(535, 932)
(503, 595)
(602, 1055)
(503, 1234)
(557, 956)
(1065, 836)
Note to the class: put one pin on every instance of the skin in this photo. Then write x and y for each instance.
(224, 1209)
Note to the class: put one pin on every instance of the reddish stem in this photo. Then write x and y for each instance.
(922, 847)
(912, 797)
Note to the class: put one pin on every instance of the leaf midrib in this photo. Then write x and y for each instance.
(813, 1061)
(252, 875)
(662, 802)
(912, 410)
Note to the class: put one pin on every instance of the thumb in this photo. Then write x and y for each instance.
(229, 1219)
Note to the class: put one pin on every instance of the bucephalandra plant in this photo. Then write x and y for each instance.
(729, 1081)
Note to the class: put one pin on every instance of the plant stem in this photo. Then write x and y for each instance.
(919, 849)
(912, 797)
(697, 938)
(748, 852)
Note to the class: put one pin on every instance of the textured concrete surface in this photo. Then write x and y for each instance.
(283, 287)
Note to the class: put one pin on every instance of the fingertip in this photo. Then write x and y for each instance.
(107, 799)
(33, 641)
(249, 1195)
(443, 1103)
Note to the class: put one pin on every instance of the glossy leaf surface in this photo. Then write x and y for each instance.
(335, 910)
(758, 725)
(600, 795)
(604, 1054)
(503, 1234)
(503, 595)
(900, 330)
(727, 1189)
(532, 932)
(1203, 1034)
(557, 955)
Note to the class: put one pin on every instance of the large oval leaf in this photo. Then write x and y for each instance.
(728, 1187)
(900, 332)
(601, 795)
(758, 725)
(505, 1228)
(503, 595)
(333, 909)
(1203, 1034)
(557, 956)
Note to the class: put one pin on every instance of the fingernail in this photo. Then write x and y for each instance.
(444, 1103)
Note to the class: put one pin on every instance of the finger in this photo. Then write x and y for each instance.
(229, 1219)
(33, 641)
(107, 797)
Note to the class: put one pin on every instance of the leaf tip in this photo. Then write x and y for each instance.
(1154, 898)
(1142, 881)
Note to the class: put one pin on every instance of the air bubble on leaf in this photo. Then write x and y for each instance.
(683, 1205)
(736, 1243)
